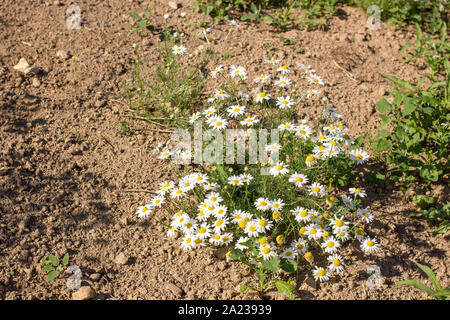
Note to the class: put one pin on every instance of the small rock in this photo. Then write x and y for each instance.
(22, 65)
(125, 221)
(35, 70)
(36, 83)
(174, 5)
(174, 289)
(62, 54)
(121, 259)
(84, 293)
(95, 276)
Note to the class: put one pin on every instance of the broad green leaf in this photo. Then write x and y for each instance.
(408, 108)
(443, 228)
(383, 105)
(430, 174)
(285, 288)
(431, 276)
(261, 276)
(288, 265)
(52, 275)
(65, 259)
(271, 264)
(47, 268)
(423, 201)
(385, 118)
(401, 83)
(377, 178)
(267, 19)
(383, 134)
(382, 145)
(54, 260)
(247, 16)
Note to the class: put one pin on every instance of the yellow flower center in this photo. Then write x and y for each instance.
(262, 94)
(219, 223)
(242, 224)
(358, 156)
(252, 228)
(336, 262)
(308, 255)
(145, 209)
(304, 213)
(198, 241)
(263, 204)
(202, 230)
(370, 243)
(218, 123)
(280, 239)
(279, 167)
(276, 214)
(284, 102)
(310, 158)
(299, 179)
(302, 230)
(216, 237)
(316, 189)
(262, 223)
(262, 240)
(313, 231)
(330, 244)
(321, 272)
(235, 181)
(339, 223)
(266, 250)
(188, 240)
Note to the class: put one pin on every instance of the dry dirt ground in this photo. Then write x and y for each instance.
(66, 174)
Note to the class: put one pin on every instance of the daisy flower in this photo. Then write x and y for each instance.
(337, 264)
(210, 186)
(310, 160)
(262, 78)
(300, 246)
(279, 169)
(238, 71)
(244, 96)
(251, 228)
(261, 96)
(273, 61)
(220, 94)
(211, 100)
(360, 234)
(179, 221)
(348, 202)
(213, 198)
(298, 179)
(303, 131)
(239, 215)
(235, 181)
(307, 69)
(220, 224)
(312, 93)
(276, 215)
(204, 231)
(264, 225)
(370, 245)
(240, 243)
(209, 112)
(165, 154)
(313, 232)
(283, 82)
(359, 156)
(190, 227)
(267, 252)
(301, 214)
(342, 234)
(317, 189)
(233, 23)
(199, 241)
(330, 245)
(246, 178)
(289, 253)
(315, 79)
(284, 102)
(216, 239)
(227, 238)
(144, 211)
(220, 211)
(320, 274)
(157, 201)
(364, 215)
(171, 232)
(250, 121)
(216, 71)
(219, 124)
(199, 178)
(277, 204)
(262, 204)
(284, 69)
(338, 223)
(287, 126)
(188, 242)
(235, 111)
(166, 186)
(194, 117)
(358, 192)
(178, 49)
(177, 193)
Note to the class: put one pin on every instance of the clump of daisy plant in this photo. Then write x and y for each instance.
(293, 209)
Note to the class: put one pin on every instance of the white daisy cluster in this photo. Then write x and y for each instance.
(233, 208)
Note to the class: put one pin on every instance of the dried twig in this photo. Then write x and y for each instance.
(345, 71)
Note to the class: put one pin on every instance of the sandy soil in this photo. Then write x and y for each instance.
(68, 179)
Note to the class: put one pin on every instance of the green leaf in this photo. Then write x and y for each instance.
(271, 264)
(52, 275)
(408, 108)
(383, 134)
(47, 268)
(383, 106)
(423, 201)
(135, 16)
(236, 254)
(150, 28)
(377, 178)
(429, 173)
(385, 118)
(401, 83)
(54, 260)
(247, 16)
(65, 259)
(416, 284)
(285, 288)
(288, 265)
(443, 228)
(243, 288)
(261, 276)
(267, 19)
(430, 275)
(382, 145)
